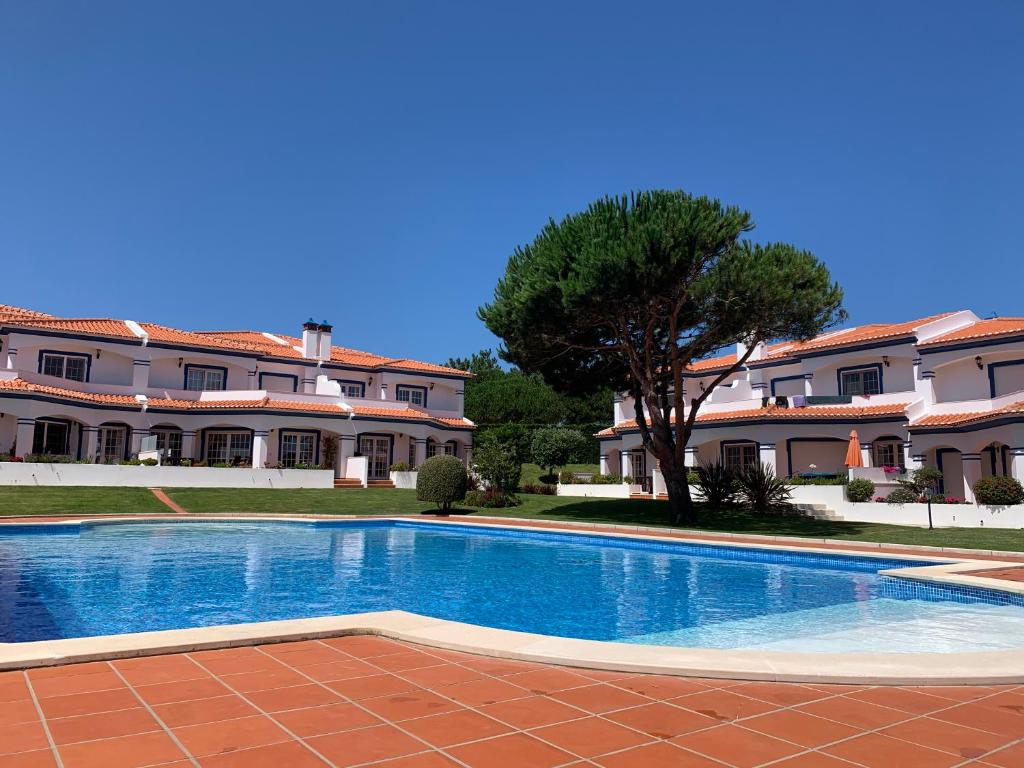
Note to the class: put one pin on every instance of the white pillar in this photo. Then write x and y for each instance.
(188, 444)
(383, 389)
(137, 437)
(12, 359)
(259, 449)
(690, 458)
(603, 469)
(469, 455)
(460, 400)
(421, 450)
(972, 473)
(925, 387)
(808, 386)
(254, 380)
(627, 468)
(658, 487)
(911, 461)
(140, 375)
(308, 384)
(865, 454)
(90, 440)
(346, 447)
(1016, 468)
(767, 456)
(758, 386)
(617, 408)
(25, 435)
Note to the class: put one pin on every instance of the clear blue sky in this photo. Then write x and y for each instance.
(249, 164)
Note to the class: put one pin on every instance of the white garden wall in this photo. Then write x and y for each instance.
(17, 473)
(594, 491)
(943, 515)
(404, 480)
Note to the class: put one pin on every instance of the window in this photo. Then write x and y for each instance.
(739, 455)
(277, 382)
(440, 449)
(111, 444)
(862, 381)
(351, 388)
(411, 395)
(64, 366)
(169, 441)
(297, 448)
(412, 453)
(201, 378)
(888, 453)
(51, 437)
(224, 447)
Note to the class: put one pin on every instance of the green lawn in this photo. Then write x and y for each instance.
(24, 500)
(36, 501)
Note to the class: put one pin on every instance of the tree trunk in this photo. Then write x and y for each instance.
(680, 504)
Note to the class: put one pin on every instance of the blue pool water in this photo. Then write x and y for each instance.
(113, 578)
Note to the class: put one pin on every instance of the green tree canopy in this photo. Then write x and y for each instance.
(552, 447)
(628, 293)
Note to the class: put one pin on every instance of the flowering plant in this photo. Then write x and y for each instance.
(891, 470)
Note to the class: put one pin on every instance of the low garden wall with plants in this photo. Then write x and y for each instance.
(141, 476)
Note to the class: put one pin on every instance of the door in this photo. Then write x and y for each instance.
(638, 465)
(111, 444)
(377, 451)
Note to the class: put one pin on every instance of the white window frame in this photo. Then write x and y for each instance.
(47, 426)
(880, 450)
(61, 369)
(846, 378)
(169, 440)
(297, 448)
(352, 389)
(236, 443)
(411, 392)
(206, 371)
(735, 455)
(111, 443)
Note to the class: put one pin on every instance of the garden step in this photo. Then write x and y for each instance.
(380, 483)
(345, 482)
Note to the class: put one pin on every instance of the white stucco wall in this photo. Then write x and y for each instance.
(15, 473)
(616, 491)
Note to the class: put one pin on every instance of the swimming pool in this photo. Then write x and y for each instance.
(80, 581)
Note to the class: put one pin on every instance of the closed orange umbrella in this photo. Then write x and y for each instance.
(853, 457)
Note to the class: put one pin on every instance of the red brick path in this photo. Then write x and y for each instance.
(358, 701)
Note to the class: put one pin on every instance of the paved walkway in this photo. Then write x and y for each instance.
(367, 701)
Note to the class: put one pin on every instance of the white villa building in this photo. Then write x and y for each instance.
(94, 389)
(946, 391)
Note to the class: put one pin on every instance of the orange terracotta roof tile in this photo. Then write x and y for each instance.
(163, 334)
(823, 412)
(67, 394)
(92, 326)
(268, 403)
(998, 326)
(847, 336)
(8, 312)
(972, 417)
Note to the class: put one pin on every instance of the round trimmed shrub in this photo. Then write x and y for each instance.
(860, 490)
(998, 491)
(442, 480)
(902, 495)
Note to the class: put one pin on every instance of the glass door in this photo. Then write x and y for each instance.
(638, 465)
(110, 446)
(377, 451)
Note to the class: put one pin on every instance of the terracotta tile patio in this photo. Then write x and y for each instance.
(367, 701)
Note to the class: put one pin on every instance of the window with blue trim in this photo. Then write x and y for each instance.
(737, 456)
(64, 365)
(204, 379)
(411, 395)
(861, 381)
(352, 388)
(51, 437)
(297, 448)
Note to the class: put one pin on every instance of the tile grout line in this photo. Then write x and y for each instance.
(357, 704)
(528, 732)
(42, 721)
(793, 707)
(155, 716)
(270, 716)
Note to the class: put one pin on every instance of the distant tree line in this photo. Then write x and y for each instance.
(509, 406)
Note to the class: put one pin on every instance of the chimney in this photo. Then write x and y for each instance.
(324, 329)
(310, 339)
